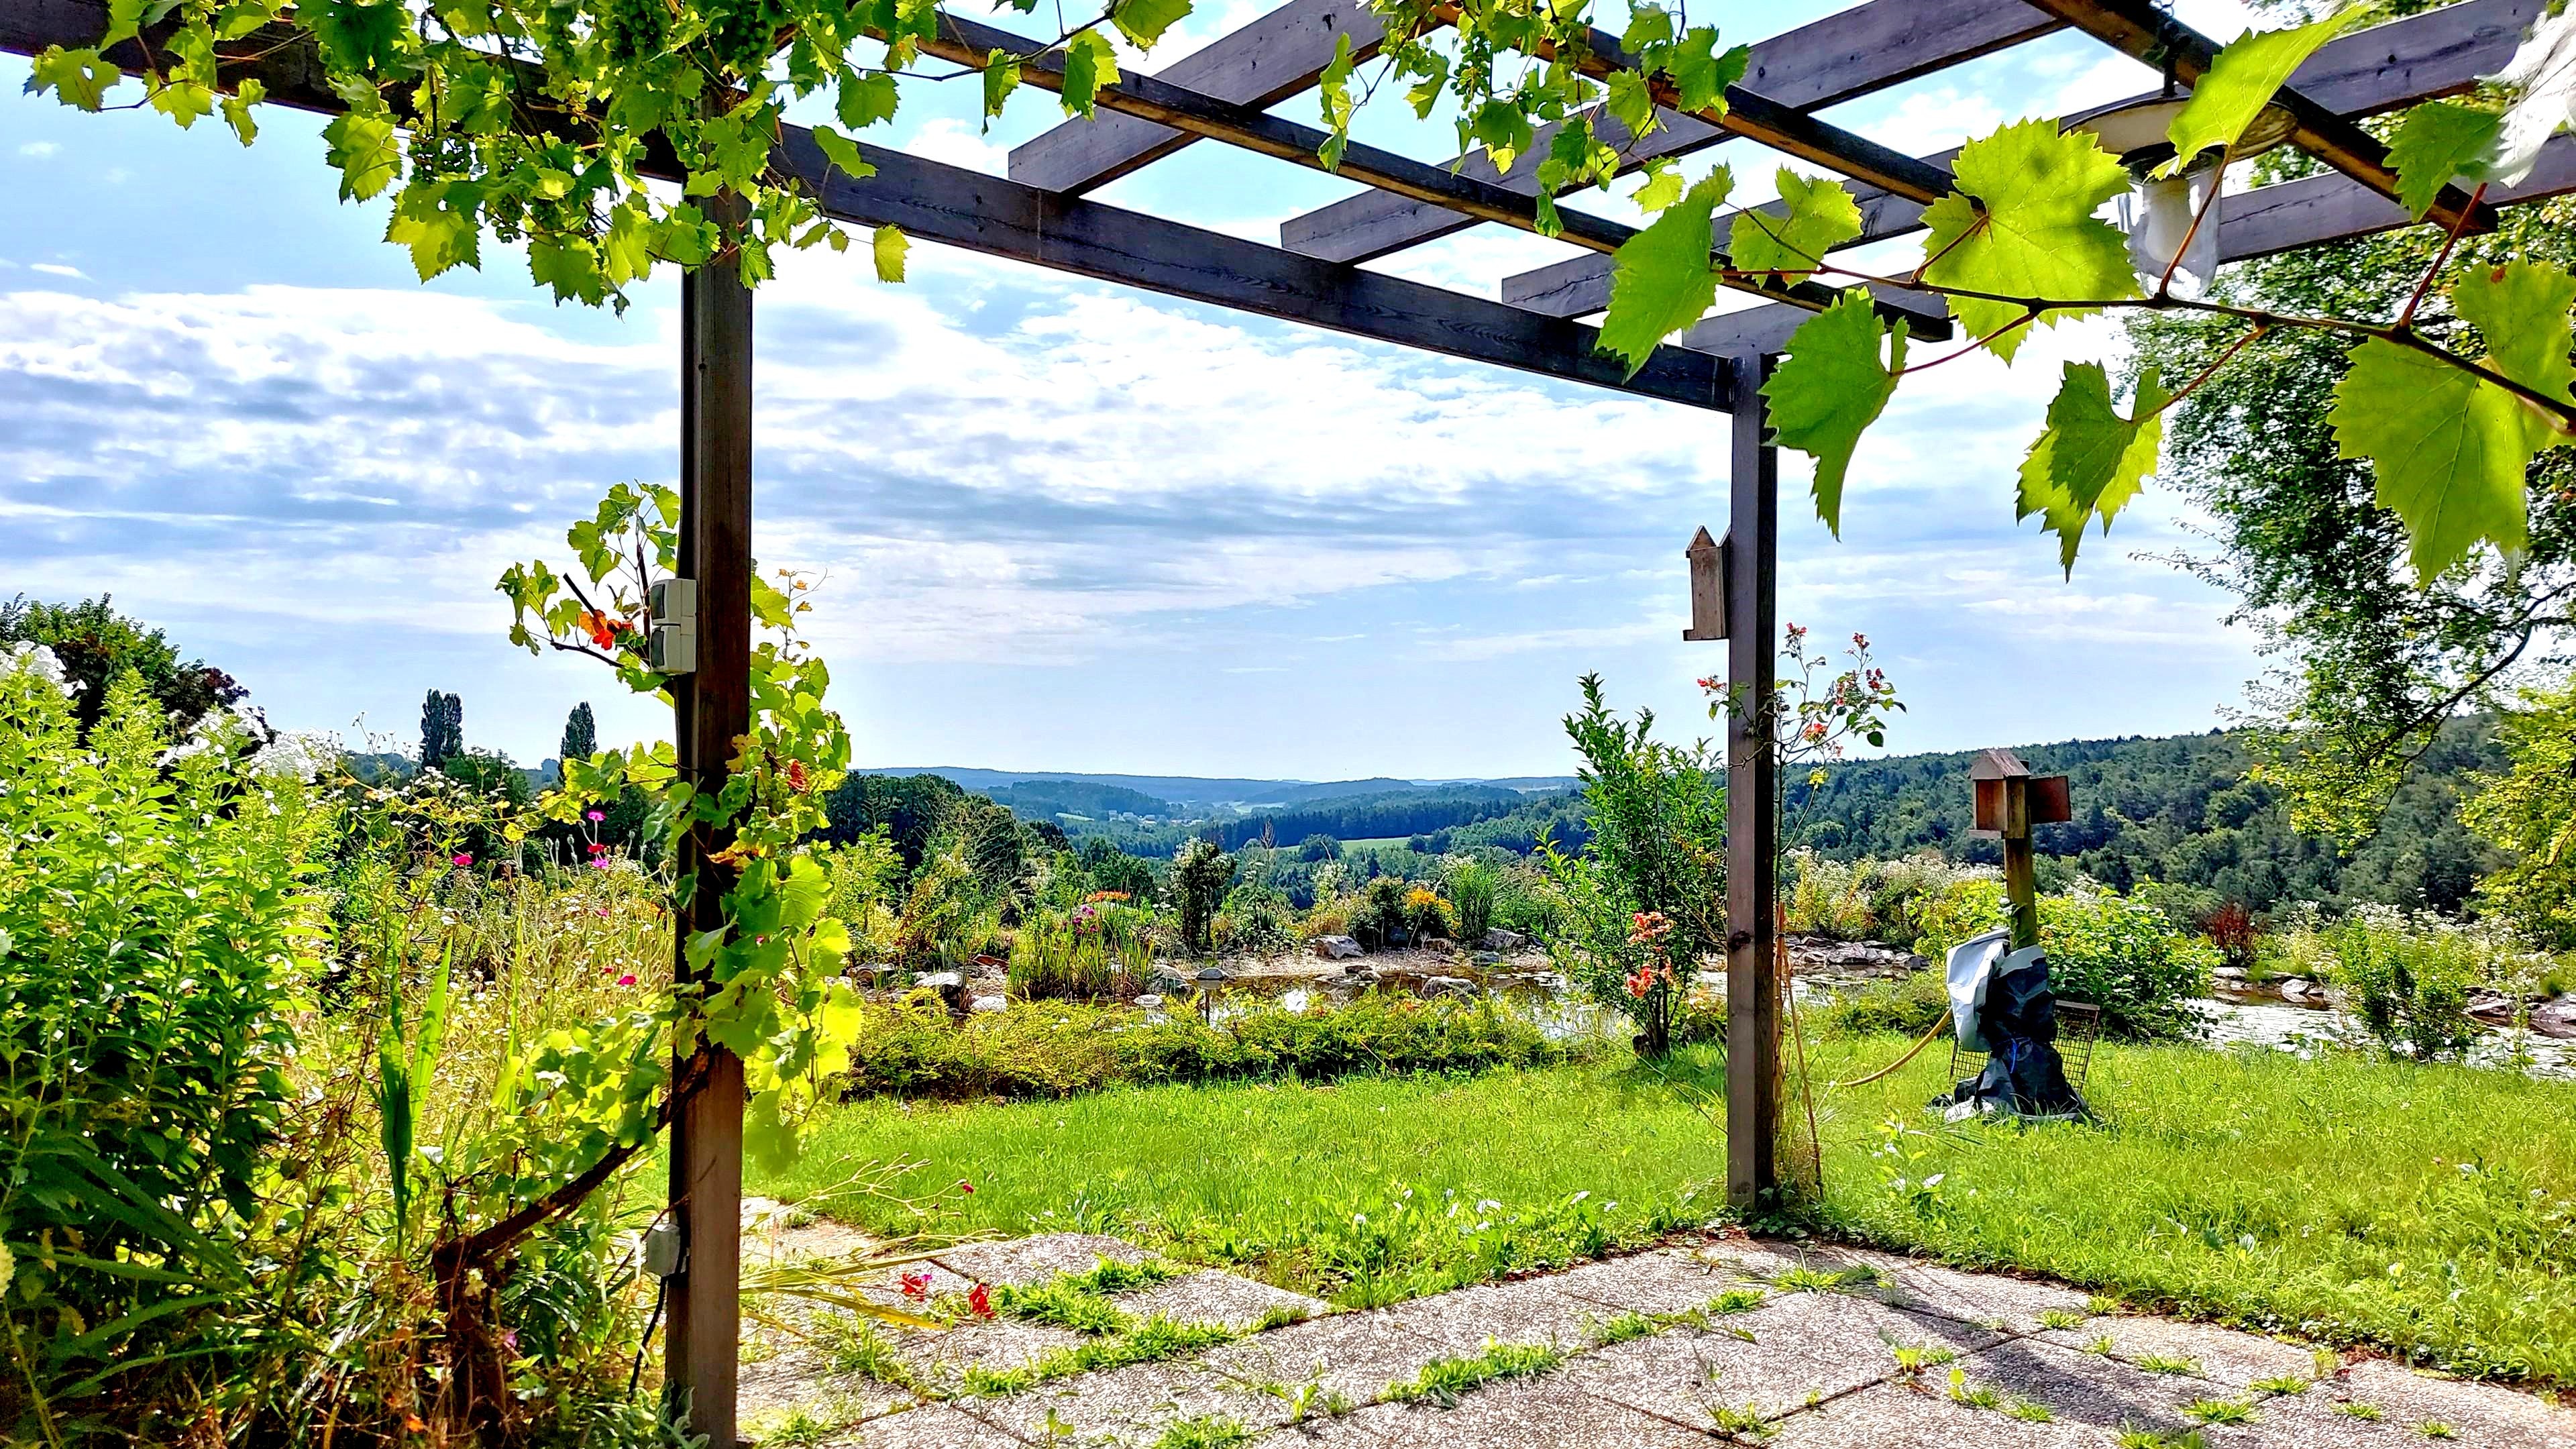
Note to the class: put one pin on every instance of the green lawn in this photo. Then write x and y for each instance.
(2431, 1210)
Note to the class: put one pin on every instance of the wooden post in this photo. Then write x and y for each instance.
(714, 710)
(2008, 800)
(1752, 798)
(2021, 874)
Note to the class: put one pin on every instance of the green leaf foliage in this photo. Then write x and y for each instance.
(1822, 216)
(889, 248)
(78, 77)
(1830, 388)
(1660, 279)
(2091, 460)
(1144, 21)
(2021, 224)
(1001, 77)
(2244, 78)
(2521, 310)
(2448, 449)
(843, 153)
(2437, 142)
(862, 101)
(1090, 62)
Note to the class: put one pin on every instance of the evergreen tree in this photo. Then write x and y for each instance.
(581, 733)
(442, 729)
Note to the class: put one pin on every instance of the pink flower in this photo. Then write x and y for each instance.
(594, 816)
(460, 858)
(626, 980)
(600, 862)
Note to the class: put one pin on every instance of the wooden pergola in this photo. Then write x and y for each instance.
(1221, 94)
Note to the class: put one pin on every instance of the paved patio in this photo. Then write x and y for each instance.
(1726, 1340)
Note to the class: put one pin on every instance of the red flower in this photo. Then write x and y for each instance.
(916, 1286)
(964, 1186)
(979, 1301)
(596, 848)
(626, 980)
(460, 859)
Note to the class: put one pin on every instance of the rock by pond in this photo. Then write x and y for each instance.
(1335, 948)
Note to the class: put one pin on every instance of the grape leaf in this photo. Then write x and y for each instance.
(1822, 216)
(2449, 451)
(124, 21)
(890, 246)
(2241, 81)
(182, 100)
(570, 266)
(2021, 224)
(1701, 75)
(1663, 185)
(1333, 93)
(248, 93)
(438, 221)
(1144, 21)
(1504, 130)
(1647, 25)
(355, 36)
(2091, 461)
(2521, 310)
(1001, 77)
(1090, 62)
(2436, 142)
(843, 153)
(1660, 279)
(1830, 388)
(364, 150)
(78, 78)
(2543, 73)
(864, 100)
(1631, 102)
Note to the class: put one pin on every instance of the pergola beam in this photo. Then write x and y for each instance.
(1260, 65)
(2138, 29)
(1838, 58)
(971, 43)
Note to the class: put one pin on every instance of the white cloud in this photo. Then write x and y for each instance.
(40, 150)
(57, 269)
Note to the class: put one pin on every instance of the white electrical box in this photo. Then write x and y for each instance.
(672, 646)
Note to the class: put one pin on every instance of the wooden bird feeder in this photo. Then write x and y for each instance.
(1708, 581)
(2008, 801)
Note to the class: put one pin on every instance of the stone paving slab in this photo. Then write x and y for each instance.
(2090, 1388)
(1918, 1416)
(1026, 1262)
(1532, 1311)
(2221, 1355)
(1666, 1281)
(2483, 1415)
(937, 1426)
(1521, 1415)
(1129, 1406)
(1355, 1355)
(1802, 1348)
(2013, 1304)
(1208, 1296)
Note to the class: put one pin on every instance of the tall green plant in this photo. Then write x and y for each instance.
(1473, 888)
(1200, 875)
(405, 1061)
(1646, 898)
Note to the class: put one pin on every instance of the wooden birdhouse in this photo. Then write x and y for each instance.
(1708, 571)
(2009, 799)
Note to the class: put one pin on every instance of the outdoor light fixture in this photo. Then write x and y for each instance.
(2158, 211)
(1210, 978)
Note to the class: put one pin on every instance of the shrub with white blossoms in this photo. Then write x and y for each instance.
(26, 657)
(244, 733)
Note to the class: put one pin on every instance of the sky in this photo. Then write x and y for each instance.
(1057, 524)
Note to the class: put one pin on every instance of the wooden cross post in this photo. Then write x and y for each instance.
(713, 706)
(1752, 800)
(2009, 800)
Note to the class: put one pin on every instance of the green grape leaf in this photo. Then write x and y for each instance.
(1001, 77)
(2449, 450)
(124, 21)
(1144, 21)
(2436, 142)
(1660, 279)
(843, 153)
(889, 247)
(862, 101)
(2521, 310)
(570, 266)
(2241, 81)
(78, 78)
(2090, 461)
(355, 36)
(1663, 185)
(2021, 224)
(1504, 131)
(626, 252)
(1822, 216)
(365, 151)
(182, 100)
(1647, 25)
(438, 220)
(1631, 102)
(1830, 388)
(1333, 92)
(1701, 74)
(237, 108)
(1090, 62)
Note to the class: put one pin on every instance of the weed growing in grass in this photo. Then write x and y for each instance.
(2102, 1344)
(2061, 1318)
(2284, 1385)
(1112, 1277)
(1310, 1399)
(1621, 1329)
(2101, 1305)
(1743, 1423)
(2219, 1411)
(802, 1426)
(1156, 1339)
(2158, 1363)
(1281, 1315)
(2360, 1409)
(1205, 1432)
(2135, 1438)
(1445, 1380)
(2436, 1429)
(2030, 1411)
(1061, 1304)
(1974, 1395)
(1738, 1300)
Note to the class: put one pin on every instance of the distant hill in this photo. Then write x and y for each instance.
(1202, 797)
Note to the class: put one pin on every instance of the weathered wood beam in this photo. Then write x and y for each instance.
(995, 217)
(2316, 210)
(2369, 72)
(971, 43)
(1753, 1079)
(1260, 65)
(1843, 56)
(2138, 29)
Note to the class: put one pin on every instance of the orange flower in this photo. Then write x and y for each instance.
(602, 627)
(796, 776)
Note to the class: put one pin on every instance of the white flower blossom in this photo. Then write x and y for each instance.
(31, 658)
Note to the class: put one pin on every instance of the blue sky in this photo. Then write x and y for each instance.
(1060, 525)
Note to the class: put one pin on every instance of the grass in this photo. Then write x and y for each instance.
(1444, 1381)
(1205, 1432)
(2158, 1363)
(1154, 1340)
(2430, 1210)
(2219, 1411)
